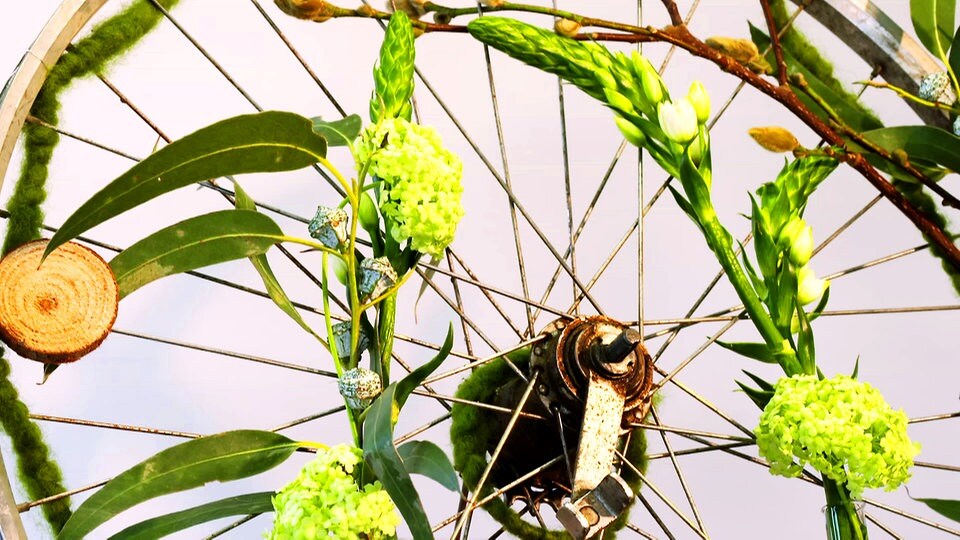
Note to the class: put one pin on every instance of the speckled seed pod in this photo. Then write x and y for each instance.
(956, 126)
(341, 338)
(933, 85)
(329, 226)
(376, 277)
(359, 387)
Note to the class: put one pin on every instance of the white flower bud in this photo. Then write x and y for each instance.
(797, 238)
(809, 287)
(700, 100)
(678, 120)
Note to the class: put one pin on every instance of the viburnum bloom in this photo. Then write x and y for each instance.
(840, 426)
(421, 191)
(325, 502)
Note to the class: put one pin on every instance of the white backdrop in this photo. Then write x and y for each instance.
(910, 358)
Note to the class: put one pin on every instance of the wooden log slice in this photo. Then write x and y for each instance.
(58, 311)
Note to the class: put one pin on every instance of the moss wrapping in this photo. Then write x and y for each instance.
(470, 430)
(38, 472)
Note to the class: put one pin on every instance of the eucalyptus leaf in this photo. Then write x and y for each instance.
(381, 454)
(945, 507)
(339, 132)
(924, 143)
(160, 526)
(217, 458)
(194, 243)
(933, 21)
(755, 351)
(408, 384)
(427, 459)
(954, 59)
(263, 142)
(270, 281)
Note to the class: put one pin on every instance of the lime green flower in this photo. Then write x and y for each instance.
(326, 502)
(698, 97)
(842, 427)
(421, 191)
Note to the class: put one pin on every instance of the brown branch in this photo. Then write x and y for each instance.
(675, 18)
(775, 42)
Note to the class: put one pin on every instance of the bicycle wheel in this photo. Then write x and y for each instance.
(185, 349)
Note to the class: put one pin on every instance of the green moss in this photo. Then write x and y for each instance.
(39, 474)
(470, 430)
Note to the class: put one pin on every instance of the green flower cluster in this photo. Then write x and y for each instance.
(325, 502)
(420, 197)
(842, 427)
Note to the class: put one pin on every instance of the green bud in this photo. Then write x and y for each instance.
(700, 100)
(697, 149)
(809, 287)
(339, 269)
(649, 79)
(607, 80)
(801, 248)
(678, 120)
(790, 229)
(367, 212)
(618, 101)
(630, 132)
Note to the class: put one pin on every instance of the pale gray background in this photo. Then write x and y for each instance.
(910, 358)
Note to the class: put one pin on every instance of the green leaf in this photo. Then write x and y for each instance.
(923, 143)
(759, 397)
(684, 204)
(945, 507)
(933, 23)
(339, 132)
(954, 60)
(409, 383)
(851, 112)
(194, 243)
(755, 351)
(217, 458)
(270, 281)
(263, 142)
(856, 368)
(382, 456)
(806, 350)
(759, 381)
(426, 458)
(160, 526)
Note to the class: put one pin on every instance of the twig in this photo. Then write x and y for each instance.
(775, 42)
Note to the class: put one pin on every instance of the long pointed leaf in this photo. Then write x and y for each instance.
(381, 454)
(409, 383)
(945, 507)
(755, 351)
(264, 142)
(194, 243)
(426, 458)
(160, 526)
(217, 458)
(270, 281)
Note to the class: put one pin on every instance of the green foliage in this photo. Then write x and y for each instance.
(933, 21)
(160, 526)
(393, 76)
(90, 55)
(339, 132)
(263, 142)
(381, 454)
(218, 458)
(270, 281)
(945, 507)
(925, 143)
(428, 459)
(193, 243)
(421, 190)
(804, 57)
(842, 427)
(36, 469)
(325, 500)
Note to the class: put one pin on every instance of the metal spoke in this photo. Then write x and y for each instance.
(666, 500)
(676, 468)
